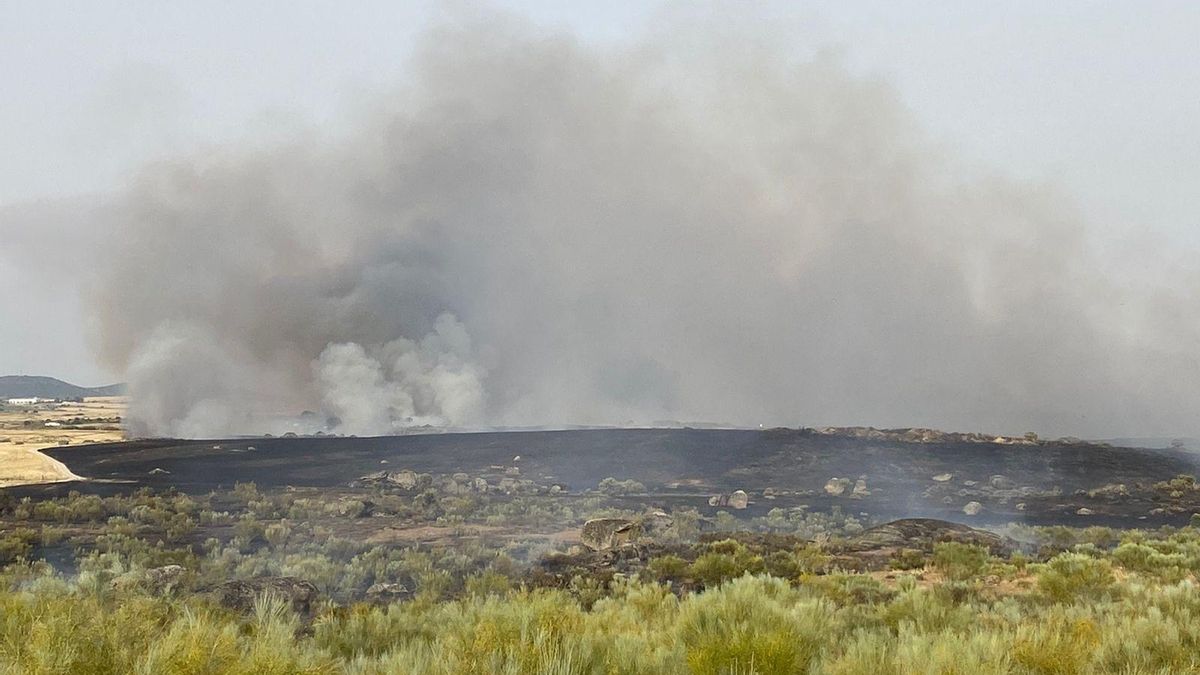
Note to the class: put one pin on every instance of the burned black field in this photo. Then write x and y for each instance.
(973, 482)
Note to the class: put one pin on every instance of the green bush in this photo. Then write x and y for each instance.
(754, 625)
(958, 561)
(1069, 576)
(612, 486)
(17, 544)
(668, 568)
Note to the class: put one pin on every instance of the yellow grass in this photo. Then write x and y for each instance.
(23, 432)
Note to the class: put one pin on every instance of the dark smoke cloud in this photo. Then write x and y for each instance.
(532, 231)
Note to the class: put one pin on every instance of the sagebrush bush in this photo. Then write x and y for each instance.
(958, 561)
(1069, 576)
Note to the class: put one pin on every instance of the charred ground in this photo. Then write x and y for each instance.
(1070, 483)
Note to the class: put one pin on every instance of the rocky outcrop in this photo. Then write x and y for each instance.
(739, 499)
(860, 489)
(602, 534)
(836, 487)
(405, 479)
(655, 523)
(921, 533)
(240, 595)
(387, 592)
(156, 580)
(923, 435)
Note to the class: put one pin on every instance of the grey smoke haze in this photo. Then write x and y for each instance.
(533, 231)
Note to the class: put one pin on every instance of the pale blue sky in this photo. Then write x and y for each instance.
(1099, 98)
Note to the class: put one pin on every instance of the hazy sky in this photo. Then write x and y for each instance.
(1101, 99)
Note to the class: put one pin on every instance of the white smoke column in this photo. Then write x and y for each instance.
(405, 384)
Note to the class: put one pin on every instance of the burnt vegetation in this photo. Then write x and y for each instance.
(521, 560)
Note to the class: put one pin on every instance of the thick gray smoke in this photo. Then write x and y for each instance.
(532, 231)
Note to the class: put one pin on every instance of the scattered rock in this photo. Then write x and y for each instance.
(239, 595)
(387, 592)
(860, 488)
(405, 480)
(1110, 491)
(162, 577)
(1084, 511)
(602, 534)
(972, 508)
(739, 499)
(512, 471)
(943, 477)
(355, 508)
(452, 487)
(156, 580)
(157, 471)
(1001, 482)
(656, 522)
(835, 487)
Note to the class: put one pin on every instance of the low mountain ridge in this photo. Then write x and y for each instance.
(28, 386)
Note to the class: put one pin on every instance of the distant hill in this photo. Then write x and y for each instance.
(23, 386)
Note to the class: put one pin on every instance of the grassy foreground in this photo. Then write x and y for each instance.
(758, 595)
(1134, 609)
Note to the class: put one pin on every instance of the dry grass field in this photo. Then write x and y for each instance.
(24, 430)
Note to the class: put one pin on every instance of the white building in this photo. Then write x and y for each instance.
(27, 401)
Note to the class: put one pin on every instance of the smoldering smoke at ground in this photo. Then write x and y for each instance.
(534, 231)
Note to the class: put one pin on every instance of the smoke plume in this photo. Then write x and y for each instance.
(530, 230)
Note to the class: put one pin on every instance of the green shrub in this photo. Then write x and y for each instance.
(711, 569)
(1068, 576)
(668, 568)
(754, 625)
(958, 561)
(907, 559)
(17, 544)
(612, 486)
(488, 583)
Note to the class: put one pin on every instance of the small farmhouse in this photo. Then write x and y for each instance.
(27, 401)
